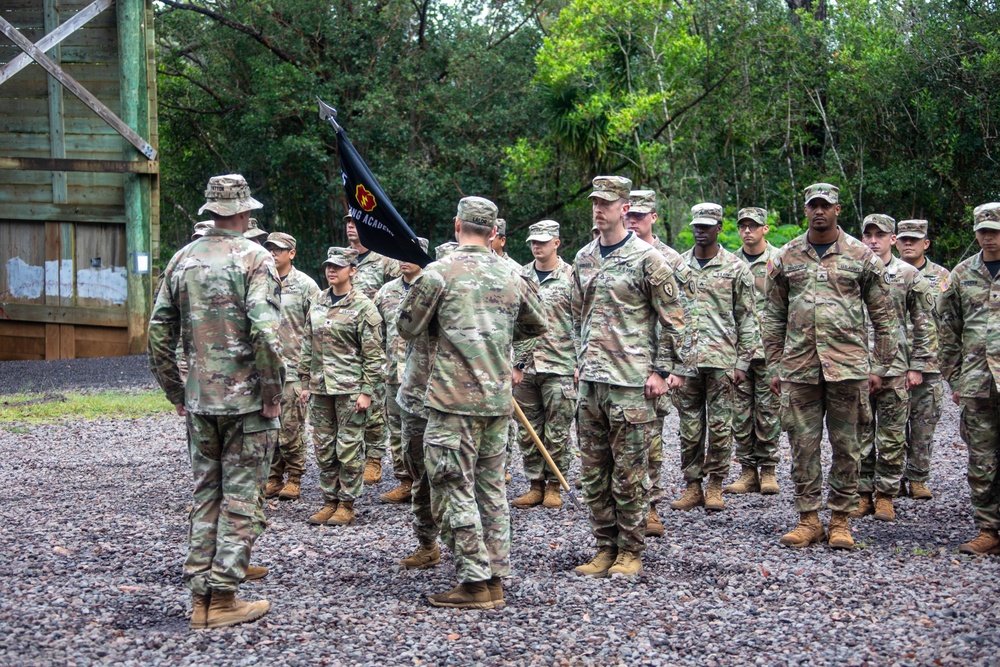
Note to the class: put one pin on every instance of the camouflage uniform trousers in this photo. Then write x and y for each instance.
(925, 411)
(705, 406)
(847, 411)
(230, 457)
(616, 433)
(290, 454)
(424, 527)
(375, 431)
(756, 427)
(338, 438)
(549, 403)
(980, 429)
(656, 489)
(883, 441)
(393, 419)
(465, 456)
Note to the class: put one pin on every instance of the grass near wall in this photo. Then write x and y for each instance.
(55, 406)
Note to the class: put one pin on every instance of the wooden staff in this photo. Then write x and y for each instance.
(545, 453)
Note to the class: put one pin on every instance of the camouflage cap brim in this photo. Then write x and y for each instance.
(541, 238)
(230, 207)
(709, 222)
(986, 224)
(911, 235)
(603, 194)
(338, 262)
(254, 233)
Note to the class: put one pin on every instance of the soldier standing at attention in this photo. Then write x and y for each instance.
(883, 443)
(545, 369)
(297, 294)
(499, 245)
(474, 308)
(342, 360)
(374, 270)
(219, 297)
(756, 427)
(728, 339)
(925, 399)
(970, 359)
(816, 341)
(623, 289)
(387, 301)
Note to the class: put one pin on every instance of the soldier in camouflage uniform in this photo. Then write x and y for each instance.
(623, 288)
(342, 360)
(756, 427)
(884, 440)
(545, 370)
(498, 243)
(297, 294)
(219, 297)
(255, 233)
(374, 270)
(926, 398)
(728, 339)
(816, 342)
(474, 308)
(969, 308)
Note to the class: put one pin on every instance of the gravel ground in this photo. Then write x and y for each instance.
(93, 540)
(62, 374)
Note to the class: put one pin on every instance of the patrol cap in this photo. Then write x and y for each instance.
(830, 193)
(347, 218)
(424, 243)
(478, 211)
(883, 222)
(706, 213)
(911, 229)
(201, 228)
(228, 195)
(753, 213)
(642, 201)
(987, 216)
(445, 249)
(501, 227)
(341, 257)
(543, 231)
(254, 232)
(280, 240)
(611, 188)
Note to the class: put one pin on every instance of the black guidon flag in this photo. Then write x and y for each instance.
(380, 227)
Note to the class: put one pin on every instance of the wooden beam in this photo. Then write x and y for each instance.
(98, 166)
(57, 129)
(90, 316)
(41, 212)
(74, 87)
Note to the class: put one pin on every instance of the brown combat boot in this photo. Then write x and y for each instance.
(713, 494)
(293, 487)
(273, 488)
(534, 496)
(344, 516)
(919, 491)
(373, 471)
(809, 531)
(654, 527)
(691, 498)
(840, 531)
(470, 595)
(199, 611)
(627, 564)
(986, 543)
(553, 495)
(884, 510)
(769, 481)
(495, 587)
(322, 516)
(255, 572)
(226, 609)
(600, 564)
(865, 507)
(401, 494)
(425, 555)
(747, 483)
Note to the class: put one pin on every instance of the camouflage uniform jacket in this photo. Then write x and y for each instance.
(416, 370)
(389, 297)
(219, 296)
(934, 274)
(969, 307)
(914, 301)
(297, 294)
(342, 352)
(728, 328)
(374, 271)
(758, 268)
(814, 325)
(474, 307)
(687, 288)
(617, 302)
(511, 262)
(555, 350)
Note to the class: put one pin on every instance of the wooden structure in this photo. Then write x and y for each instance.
(79, 190)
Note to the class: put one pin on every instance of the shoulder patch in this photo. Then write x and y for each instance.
(944, 284)
(773, 265)
(660, 275)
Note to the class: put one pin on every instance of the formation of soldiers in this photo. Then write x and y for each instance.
(425, 363)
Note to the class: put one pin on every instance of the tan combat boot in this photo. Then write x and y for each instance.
(495, 587)
(884, 510)
(534, 496)
(255, 572)
(654, 527)
(226, 609)
(986, 543)
(470, 595)
(769, 481)
(199, 611)
(344, 516)
(691, 498)
(426, 555)
(809, 531)
(273, 488)
(747, 483)
(322, 516)
(553, 495)
(713, 494)
(373, 471)
(865, 507)
(840, 531)
(401, 494)
(600, 564)
(919, 491)
(628, 563)
(293, 487)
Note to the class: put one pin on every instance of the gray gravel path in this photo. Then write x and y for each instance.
(93, 517)
(63, 374)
